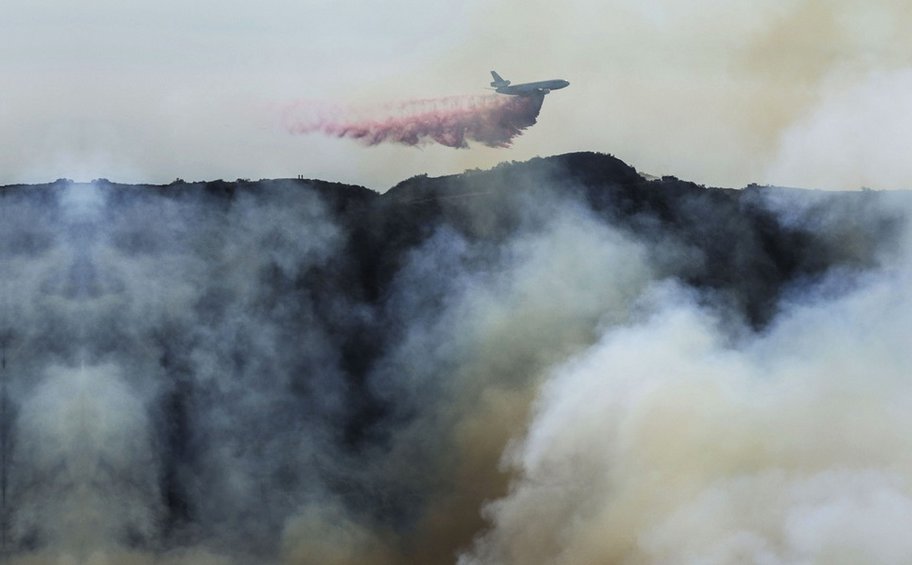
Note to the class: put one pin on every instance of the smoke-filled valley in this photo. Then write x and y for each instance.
(555, 361)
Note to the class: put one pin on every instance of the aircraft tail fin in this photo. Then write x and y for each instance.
(498, 80)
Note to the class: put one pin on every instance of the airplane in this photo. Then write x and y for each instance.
(502, 86)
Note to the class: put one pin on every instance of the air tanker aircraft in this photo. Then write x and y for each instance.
(527, 89)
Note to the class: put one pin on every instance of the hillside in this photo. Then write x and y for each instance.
(305, 371)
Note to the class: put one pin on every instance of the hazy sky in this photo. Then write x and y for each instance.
(725, 92)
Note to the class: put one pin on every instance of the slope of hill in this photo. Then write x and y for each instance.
(303, 371)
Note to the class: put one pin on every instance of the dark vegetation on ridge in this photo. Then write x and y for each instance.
(746, 250)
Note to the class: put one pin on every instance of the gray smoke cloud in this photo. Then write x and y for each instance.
(148, 364)
(248, 373)
(668, 441)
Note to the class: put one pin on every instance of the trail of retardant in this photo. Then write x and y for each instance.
(493, 120)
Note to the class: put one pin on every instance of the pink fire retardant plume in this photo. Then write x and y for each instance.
(493, 120)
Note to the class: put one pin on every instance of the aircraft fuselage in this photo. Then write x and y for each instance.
(503, 86)
(526, 89)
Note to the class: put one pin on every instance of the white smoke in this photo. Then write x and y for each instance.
(857, 136)
(84, 472)
(668, 441)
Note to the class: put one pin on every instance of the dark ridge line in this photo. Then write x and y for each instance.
(569, 160)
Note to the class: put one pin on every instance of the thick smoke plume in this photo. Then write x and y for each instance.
(493, 120)
(550, 362)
